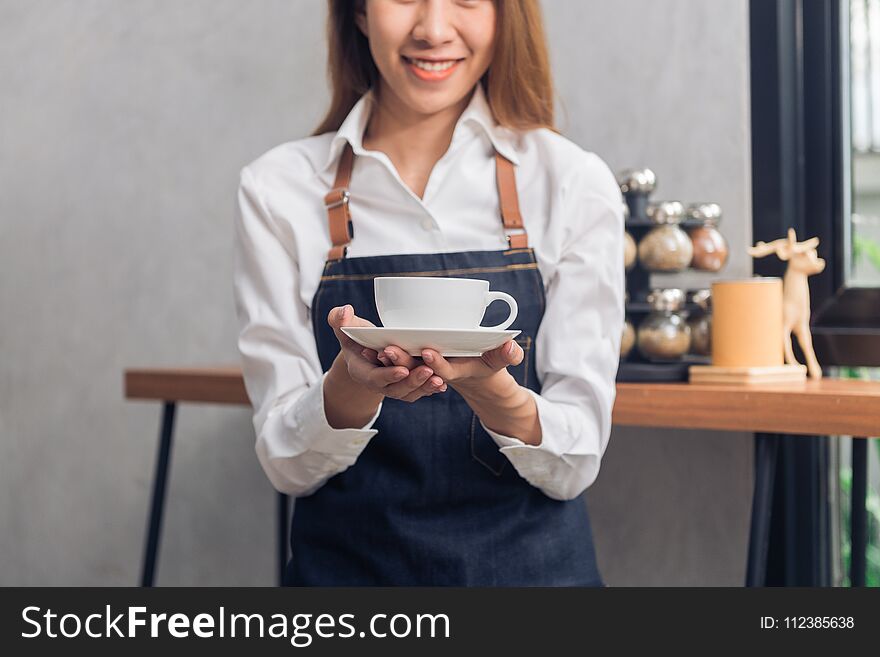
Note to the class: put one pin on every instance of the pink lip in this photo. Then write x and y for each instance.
(431, 76)
(431, 59)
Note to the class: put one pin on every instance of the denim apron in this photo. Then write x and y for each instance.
(431, 501)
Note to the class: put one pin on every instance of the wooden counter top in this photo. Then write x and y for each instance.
(215, 385)
(826, 407)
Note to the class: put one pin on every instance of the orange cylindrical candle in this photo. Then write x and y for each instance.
(747, 323)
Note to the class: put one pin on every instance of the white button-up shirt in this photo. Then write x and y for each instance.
(573, 212)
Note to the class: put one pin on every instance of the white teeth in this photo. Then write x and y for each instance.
(433, 66)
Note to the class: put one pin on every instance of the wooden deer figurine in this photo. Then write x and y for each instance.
(802, 263)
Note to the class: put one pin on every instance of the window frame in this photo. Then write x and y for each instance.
(797, 181)
(802, 158)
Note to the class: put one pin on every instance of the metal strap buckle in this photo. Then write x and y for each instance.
(513, 231)
(342, 199)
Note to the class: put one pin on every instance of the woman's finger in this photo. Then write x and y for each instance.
(416, 379)
(345, 316)
(381, 378)
(510, 353)
(459, 368)
(372, 356)
(360, 370)
(399, 357)
(431, 387)
(335, 318)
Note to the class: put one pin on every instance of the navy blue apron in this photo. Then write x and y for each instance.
(432, 501)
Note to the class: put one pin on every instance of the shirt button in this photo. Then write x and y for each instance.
(428, 223)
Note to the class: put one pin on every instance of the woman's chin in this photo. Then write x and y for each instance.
(433, 100)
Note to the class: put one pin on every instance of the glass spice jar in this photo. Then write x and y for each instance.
(629, 244)
(666, 247)
(629, 251)
(700, 323)
(628, 339)
(664, 333)
(710, 248)
(636, 186)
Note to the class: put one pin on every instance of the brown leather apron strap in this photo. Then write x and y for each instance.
(339, 216)
(336, 202)
(508, 199)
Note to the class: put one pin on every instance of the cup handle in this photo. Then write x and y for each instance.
(510, 301)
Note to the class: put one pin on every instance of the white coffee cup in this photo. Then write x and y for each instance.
(437, 303)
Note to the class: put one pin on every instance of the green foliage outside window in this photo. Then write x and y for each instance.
(868, 249)
(872, 556)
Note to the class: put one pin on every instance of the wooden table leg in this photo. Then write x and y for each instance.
(766, 450)
(283, 534)
(858, 511)
(160, 479)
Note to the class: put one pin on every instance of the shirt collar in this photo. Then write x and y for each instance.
(352, 130)
(476, 113)
(479, 113)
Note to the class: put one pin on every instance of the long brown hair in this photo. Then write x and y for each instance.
(518, 84)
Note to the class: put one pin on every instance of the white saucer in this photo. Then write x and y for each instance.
(449, 342)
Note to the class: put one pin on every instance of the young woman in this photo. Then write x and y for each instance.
(437, 157)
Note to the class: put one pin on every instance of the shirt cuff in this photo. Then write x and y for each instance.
(341, 445)
(554, 465)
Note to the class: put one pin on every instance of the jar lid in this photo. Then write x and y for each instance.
(666, 212)
(637, 181)
(667, 298)
(703, 298)
(708, 213)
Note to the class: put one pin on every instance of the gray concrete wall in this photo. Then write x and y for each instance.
(665, 84)
(122, 130)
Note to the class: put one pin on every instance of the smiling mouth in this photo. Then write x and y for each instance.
(430, 69)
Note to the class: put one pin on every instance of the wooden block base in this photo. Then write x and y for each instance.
(777, 374)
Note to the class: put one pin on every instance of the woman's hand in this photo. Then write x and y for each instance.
(405, 382)
(485, 384)
(460, 372)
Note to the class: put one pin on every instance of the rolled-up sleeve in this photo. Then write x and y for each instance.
(578, 342)
(295, 444)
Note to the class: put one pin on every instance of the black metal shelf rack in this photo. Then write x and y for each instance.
(635, 367)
